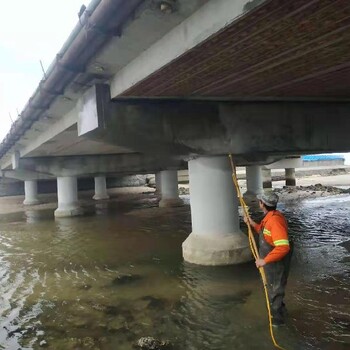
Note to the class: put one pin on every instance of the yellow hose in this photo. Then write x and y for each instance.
(254, 250)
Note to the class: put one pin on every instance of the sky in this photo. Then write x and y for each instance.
(30, 31)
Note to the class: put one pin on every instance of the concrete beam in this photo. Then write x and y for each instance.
(286, 128)
(251, 130)
(25, 175)
(55, 128)
(188, 34)
(99, 164)
(146, 126)
(286, 163)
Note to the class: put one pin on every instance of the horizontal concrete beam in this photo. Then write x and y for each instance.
(83, 166)
(252, 130)
(286, 163)
(286, 128)
(25, 175)
(145, 126)
(188, 34)
(56, 126)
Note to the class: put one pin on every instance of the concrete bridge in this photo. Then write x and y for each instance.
(154, 86)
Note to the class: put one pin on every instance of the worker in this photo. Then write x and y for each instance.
(274, 253)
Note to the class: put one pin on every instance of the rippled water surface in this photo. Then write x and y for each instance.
(104, 280)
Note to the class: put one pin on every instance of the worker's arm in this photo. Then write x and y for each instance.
(256, 226)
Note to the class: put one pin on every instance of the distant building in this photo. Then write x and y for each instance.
(323, 160)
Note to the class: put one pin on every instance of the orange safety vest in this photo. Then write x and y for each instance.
(275, 230)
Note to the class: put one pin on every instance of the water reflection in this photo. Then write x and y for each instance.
(103, 281)
(37, 216)
(32, 216)
(101, 208)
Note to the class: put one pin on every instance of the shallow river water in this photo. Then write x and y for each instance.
(104, 280)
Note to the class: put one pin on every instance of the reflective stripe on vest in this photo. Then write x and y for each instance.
(266, 232)
(281, 242)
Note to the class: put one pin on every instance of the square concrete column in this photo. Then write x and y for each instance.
(216, 238)
(31, 193)
(254, 180)
(169, 189)
(100, 188)
(157, 180)
(266, 178)
(67, 193)
(290, 177)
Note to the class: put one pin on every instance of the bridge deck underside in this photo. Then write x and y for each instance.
(282, 49)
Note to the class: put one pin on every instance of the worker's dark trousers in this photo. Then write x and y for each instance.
(276, 275)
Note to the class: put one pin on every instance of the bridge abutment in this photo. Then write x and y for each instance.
(67, 193)
(216, 238)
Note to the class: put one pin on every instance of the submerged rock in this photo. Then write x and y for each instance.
(346, 245)
(184, 191)
(154, 303)
(125, 279)
(117, 324)
(311, 191)
(98, 307)
(43, 343)
(88, 342)
(150, 343)
(112, 310)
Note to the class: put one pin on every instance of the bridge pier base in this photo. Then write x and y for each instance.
(216, 238)
(31, 193)
(67, 192)
(169, 189)
(290, 177)
(100, 188)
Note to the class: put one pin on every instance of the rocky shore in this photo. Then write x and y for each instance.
(298, 192)
(332, 183)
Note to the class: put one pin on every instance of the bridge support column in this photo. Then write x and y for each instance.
(100, 188)
(216, 238)
(158, 191)
(254, 180)
(290, 177)
(169, 189)
(67, 192)
(31, 193)
(266, 178)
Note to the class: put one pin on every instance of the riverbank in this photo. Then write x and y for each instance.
(314, 186)
(14, 204)
(308, 187)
